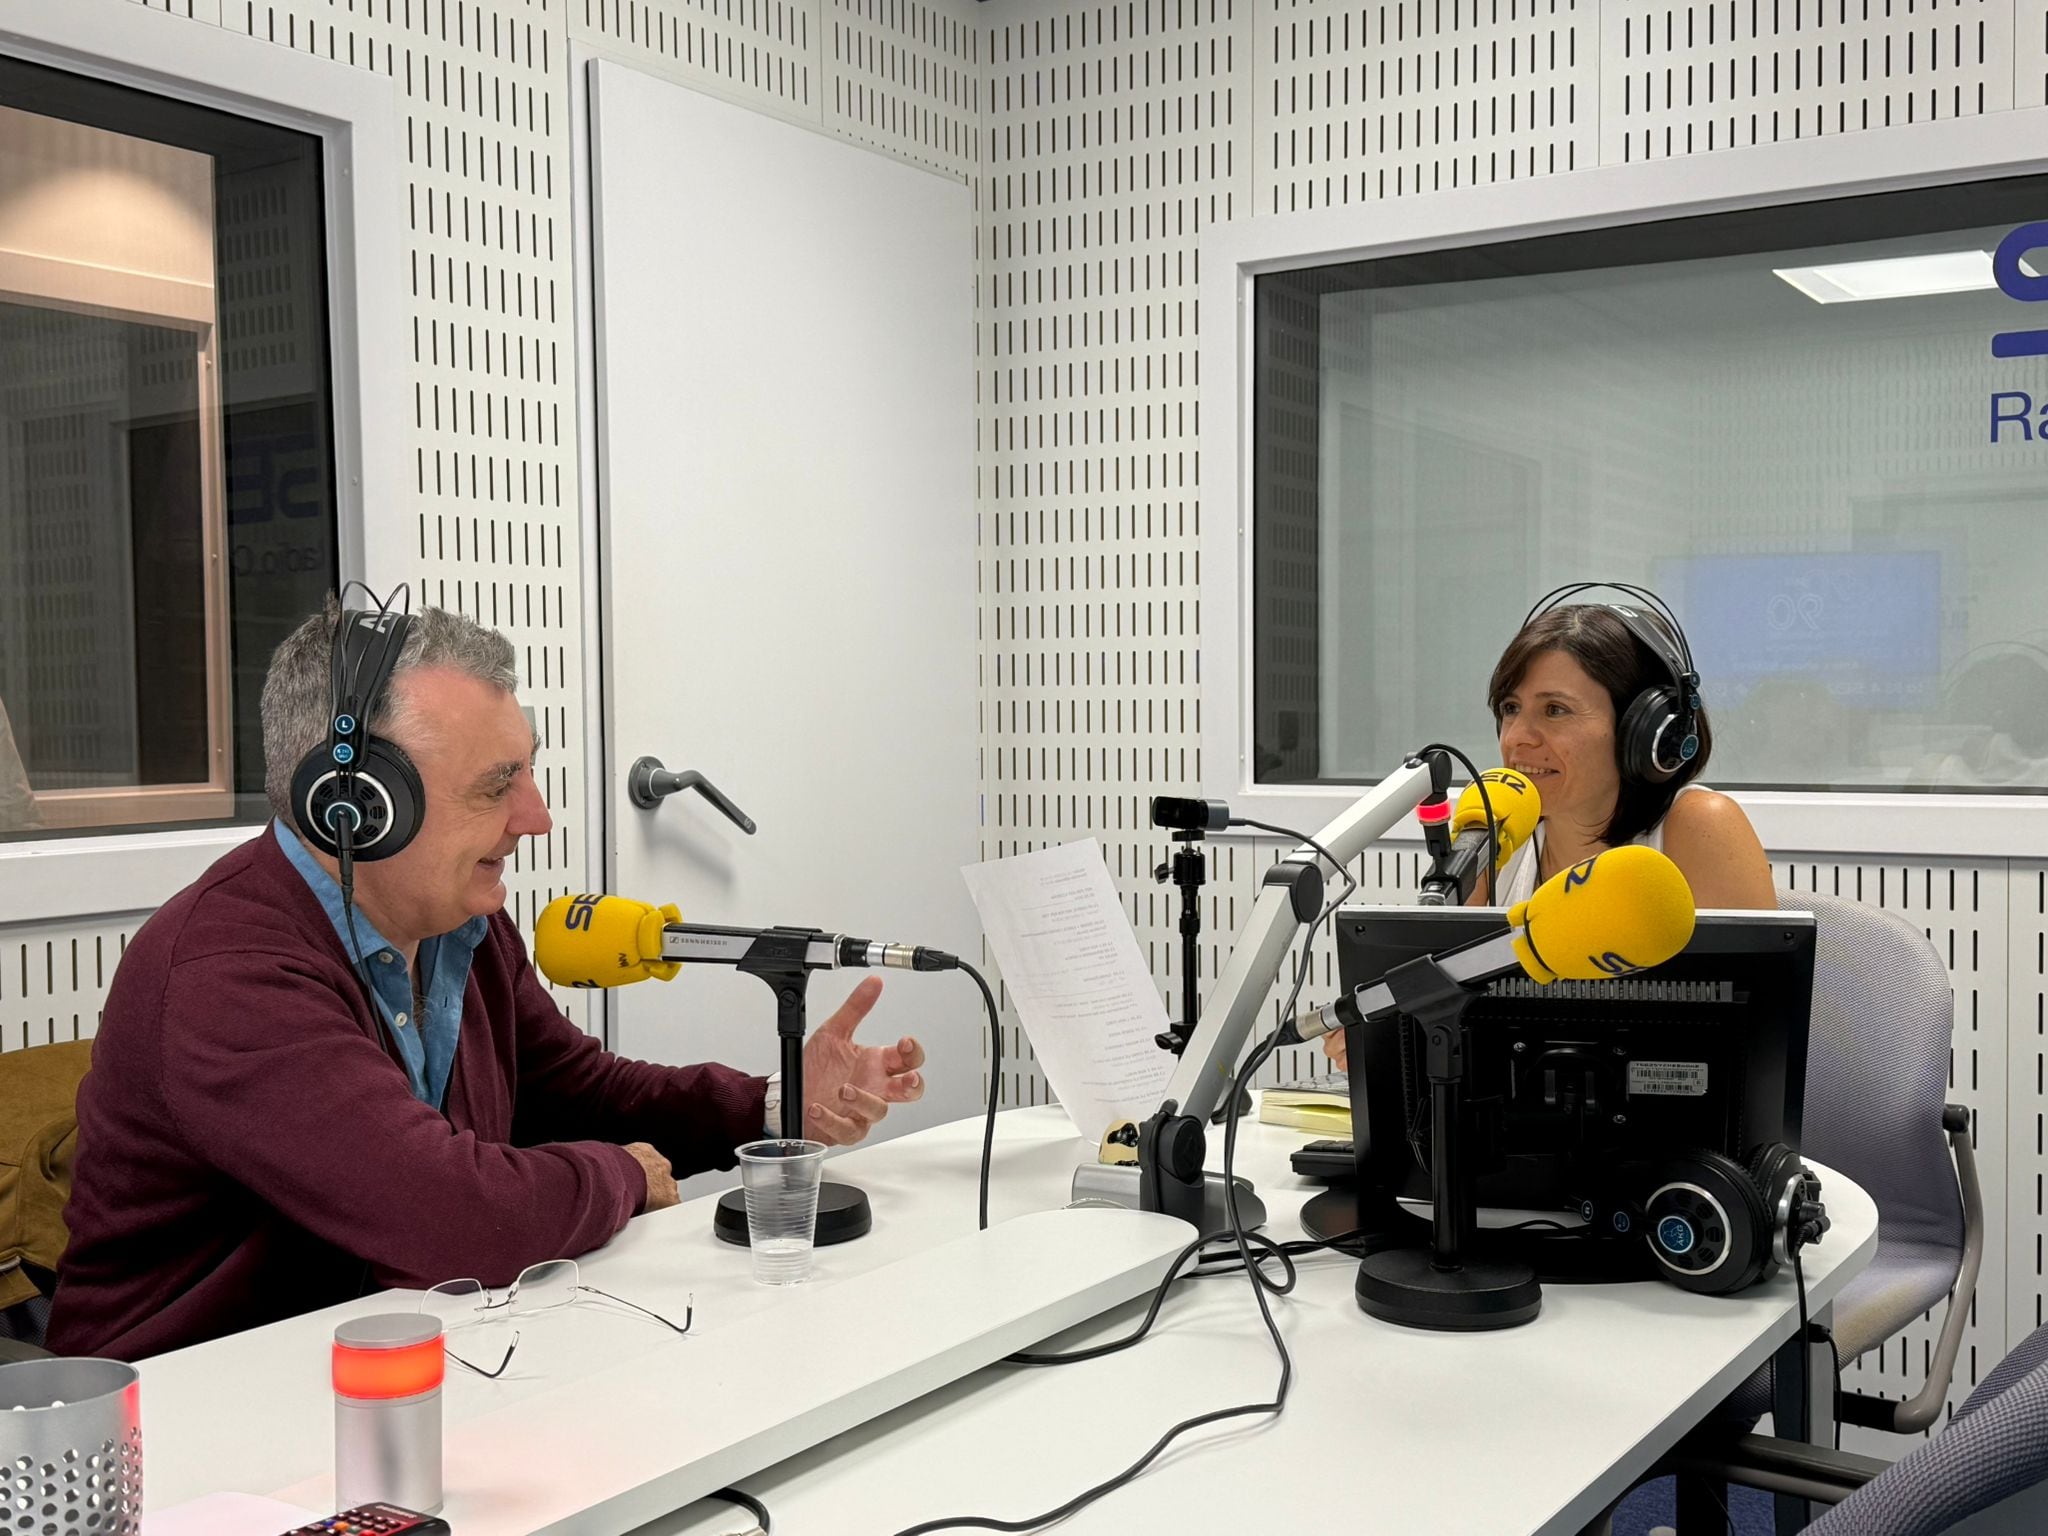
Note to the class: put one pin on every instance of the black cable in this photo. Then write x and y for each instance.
(1206, 1265)
(1485, 804)
(344, 840)
(995, 1085)
(1805, 1359)
(1301, 837)
(748, 1502)
(1089, 1496)
(1243, 1241)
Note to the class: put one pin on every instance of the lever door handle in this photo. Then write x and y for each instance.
(647, 782)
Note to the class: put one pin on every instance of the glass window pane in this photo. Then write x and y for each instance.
(1837, 492)
(166, 466)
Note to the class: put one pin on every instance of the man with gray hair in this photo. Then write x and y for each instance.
(297, 1098)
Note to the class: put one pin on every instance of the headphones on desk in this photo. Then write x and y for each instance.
(358, 796)
(1657, 733)
(1715, 1225)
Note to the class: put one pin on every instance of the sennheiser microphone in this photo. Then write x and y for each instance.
(609, 941)
(1516, 810)
(1177, 815)
(1618, 912)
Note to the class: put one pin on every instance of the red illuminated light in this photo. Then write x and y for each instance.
(381, 1374)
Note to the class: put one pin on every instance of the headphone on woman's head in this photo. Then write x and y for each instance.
(1657, 733)
(356, 795)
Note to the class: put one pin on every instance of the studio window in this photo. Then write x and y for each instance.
(1791, 421)
(166, 457)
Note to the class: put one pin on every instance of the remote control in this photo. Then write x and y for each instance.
(375, 1520)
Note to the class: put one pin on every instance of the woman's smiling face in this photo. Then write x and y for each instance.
(1557, 727)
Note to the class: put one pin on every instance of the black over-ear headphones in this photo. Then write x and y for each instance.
(1658, 732)
(358, 796)
(1717, 1226)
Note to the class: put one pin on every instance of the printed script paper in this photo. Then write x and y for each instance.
(1071, 962)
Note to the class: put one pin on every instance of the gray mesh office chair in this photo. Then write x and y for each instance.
(1985, 1474)
(1876, 1078)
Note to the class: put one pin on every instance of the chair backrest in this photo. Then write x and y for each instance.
(1985, 1473)
(1877, 1066)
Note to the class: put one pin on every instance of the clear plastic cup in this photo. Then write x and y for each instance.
(781, 1180)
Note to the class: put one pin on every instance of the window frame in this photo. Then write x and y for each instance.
(355, 115)
(1234, 255)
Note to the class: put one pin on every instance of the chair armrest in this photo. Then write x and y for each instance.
(12, 1350)
(1921, 1409)
(1790, 1467)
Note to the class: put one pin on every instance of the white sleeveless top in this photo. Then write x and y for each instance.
(1518, 880)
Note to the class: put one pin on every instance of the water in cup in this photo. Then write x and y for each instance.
(781, 1260)
(781, 1180)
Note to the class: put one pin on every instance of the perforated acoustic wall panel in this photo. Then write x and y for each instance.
(1114, 135)
(762, 52)
(1357, 102)
(53, 978)
(1679, 79)
(905, 77)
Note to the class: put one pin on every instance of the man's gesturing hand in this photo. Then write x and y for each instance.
(661, 1180)
(848, 1087)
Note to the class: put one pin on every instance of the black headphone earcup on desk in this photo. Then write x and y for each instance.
(1709, 1227)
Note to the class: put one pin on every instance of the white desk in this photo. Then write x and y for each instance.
(1530, 1430)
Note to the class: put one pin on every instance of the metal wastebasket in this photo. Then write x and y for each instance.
(70, 1448)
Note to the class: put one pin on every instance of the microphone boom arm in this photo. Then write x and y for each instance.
(1172, 1145)
(1290, 894)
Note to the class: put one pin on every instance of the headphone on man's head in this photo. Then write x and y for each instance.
(356, 795)
(1716, 1226)
(1657, 733)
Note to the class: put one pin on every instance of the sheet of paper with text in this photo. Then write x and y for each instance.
(1070, 960)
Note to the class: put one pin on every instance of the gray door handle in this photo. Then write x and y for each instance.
(647, 782)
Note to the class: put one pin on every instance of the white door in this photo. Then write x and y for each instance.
(785, 406)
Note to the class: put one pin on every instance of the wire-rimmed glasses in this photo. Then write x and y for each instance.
(488, 1317)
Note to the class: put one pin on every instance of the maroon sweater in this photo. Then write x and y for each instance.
(248, 1150)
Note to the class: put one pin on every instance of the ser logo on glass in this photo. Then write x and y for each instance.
(2018, 279)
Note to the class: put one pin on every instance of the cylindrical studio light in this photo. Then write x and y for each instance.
(388, 1370)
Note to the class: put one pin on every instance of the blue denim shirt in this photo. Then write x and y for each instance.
(425, 1044)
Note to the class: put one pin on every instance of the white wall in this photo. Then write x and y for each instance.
(1102, 138)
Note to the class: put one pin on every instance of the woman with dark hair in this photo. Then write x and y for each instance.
(1584, 706)
(1559, 695)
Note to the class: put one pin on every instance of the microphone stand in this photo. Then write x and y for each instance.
(1439, 1286)
(1190, 872)
(843, 1210)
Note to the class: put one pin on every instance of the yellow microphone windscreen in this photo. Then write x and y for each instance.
(1516, 807)
(602, 941)
(1620, 911)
